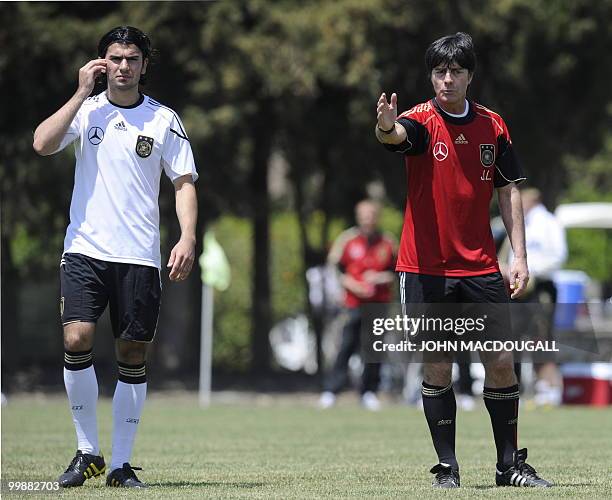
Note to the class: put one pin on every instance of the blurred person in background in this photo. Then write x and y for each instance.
(547, 251)
(365, 260)
(124, 140)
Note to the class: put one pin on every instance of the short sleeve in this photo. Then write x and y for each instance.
(507, 165)
(177, 157)
(417, 137)
(73, 132)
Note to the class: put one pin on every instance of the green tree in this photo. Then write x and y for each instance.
(253, 79)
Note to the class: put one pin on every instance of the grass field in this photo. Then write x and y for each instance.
(284, 448)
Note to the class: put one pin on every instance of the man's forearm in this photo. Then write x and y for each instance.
(510, 206)
(187, 209)
(351, 284)
(49, 134)
(386, 277)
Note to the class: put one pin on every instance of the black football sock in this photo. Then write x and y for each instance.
(502, 404)
(441, 412)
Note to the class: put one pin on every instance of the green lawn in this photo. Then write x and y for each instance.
(284, 448)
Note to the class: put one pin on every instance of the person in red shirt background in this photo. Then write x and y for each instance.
(365, 259)
(456, 153)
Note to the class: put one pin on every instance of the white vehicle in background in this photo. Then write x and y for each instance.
(598, 217)
(590, 383)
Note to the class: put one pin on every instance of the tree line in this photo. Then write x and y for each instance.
(255, 80)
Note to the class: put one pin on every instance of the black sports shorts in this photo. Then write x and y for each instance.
(482, 296)
(425, 288)
(132, 291)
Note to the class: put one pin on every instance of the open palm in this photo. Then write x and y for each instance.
(386, 112)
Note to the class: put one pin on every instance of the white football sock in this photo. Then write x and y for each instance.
(82, 389)
(127, 407)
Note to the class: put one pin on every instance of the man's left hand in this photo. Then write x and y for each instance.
(519, 277)
(181, 259)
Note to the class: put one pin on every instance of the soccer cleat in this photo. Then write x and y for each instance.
(520, 474)
(82, 467)
(446, 476)
(124, 477)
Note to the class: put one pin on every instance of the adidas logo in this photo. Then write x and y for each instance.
(461, 139)
(120, 126)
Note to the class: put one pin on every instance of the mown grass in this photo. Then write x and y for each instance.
(288, 449)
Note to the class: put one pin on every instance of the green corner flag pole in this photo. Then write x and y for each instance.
(216, 273)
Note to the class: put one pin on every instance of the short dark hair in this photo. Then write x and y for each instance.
(126, 35)
(457, 48)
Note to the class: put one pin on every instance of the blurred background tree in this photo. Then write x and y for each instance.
(278, 99)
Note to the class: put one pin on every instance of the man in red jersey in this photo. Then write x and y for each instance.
(364, 257)
(457, 152)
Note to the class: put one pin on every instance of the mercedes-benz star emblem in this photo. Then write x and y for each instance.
(95, 135)
(440, 151)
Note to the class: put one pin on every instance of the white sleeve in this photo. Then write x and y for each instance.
(177, 157)
(73, 132)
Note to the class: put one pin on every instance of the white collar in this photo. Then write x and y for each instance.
(460, 115)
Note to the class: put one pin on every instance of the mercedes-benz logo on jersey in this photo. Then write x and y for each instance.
(440, 151)
(144, 146)
(95, 135)
(487, 154)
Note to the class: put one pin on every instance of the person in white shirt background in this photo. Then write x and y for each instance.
(123, 141)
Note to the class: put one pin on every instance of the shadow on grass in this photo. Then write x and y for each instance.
(555, 485)
(206, 484)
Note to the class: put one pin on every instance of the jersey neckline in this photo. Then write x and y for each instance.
(131, 106)
(464, 120)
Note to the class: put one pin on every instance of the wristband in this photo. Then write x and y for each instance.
(386, 131)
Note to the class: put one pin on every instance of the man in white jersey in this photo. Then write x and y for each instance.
(123, 140)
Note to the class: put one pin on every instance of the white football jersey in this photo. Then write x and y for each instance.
(120, 154)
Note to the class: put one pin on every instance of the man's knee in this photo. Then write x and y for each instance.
(131, 352)
(439, 374)
(499, 371)
(79, 336)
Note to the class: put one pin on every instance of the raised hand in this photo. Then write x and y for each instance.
(386, 112)
(88, 75)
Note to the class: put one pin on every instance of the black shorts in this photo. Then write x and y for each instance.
(425, 288)
(473, 297)
(132, 291)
